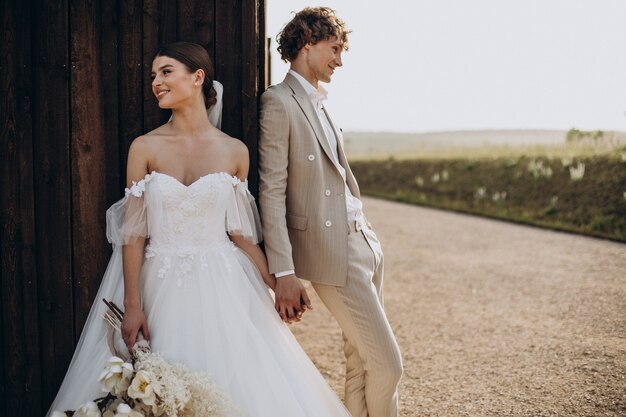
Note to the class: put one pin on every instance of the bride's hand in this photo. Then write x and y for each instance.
(134, 322)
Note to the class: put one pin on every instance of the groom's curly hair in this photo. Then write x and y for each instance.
(311, 25)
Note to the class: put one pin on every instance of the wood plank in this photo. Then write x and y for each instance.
(228, 63)
(51, 135)
(265, 43)
(196, 23)
(252, 74)
(150, 44)
(167, 21)
(109, 65)
(168, 17)
(21, 379)
(159, 28)
(87, 159)
(130, 76)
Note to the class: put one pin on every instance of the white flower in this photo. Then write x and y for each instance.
(419, 181)
(444, 175)
(88, 410)
(136, 189)
(535, 167)
(124, 410)
(58, 414)
(435, 177)
(566, 161)
(548, 172)
(624, 195)
(143, 389)
(496, 197)
(538, 170)
(578, 172)
(116, 376)
(480, 192)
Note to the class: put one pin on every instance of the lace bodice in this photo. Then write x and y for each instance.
(193, 215)
(189, 223)
(183, 218)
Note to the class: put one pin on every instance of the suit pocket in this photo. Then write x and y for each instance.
(297, 222)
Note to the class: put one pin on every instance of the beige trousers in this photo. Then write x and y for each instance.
(373, 361)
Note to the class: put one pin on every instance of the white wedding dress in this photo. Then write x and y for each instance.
(205, 301)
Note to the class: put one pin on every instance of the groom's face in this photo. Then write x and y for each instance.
(323, 57)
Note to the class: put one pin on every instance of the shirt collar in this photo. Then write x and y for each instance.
(316, 95)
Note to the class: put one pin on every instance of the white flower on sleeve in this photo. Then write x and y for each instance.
(143, 389)
(88, 410)
(116, 376)
(136, 189)
(58, 414)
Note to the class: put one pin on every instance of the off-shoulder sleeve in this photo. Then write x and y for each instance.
(127, 219)
(242, 216)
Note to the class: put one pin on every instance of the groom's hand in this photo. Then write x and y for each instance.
(291, 298)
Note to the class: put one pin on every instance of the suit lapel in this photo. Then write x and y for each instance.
(351, 181)
(306, 106)
(310, 113)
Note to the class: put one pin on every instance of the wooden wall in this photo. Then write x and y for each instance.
(76, 90)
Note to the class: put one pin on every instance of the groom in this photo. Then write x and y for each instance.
(313, 221)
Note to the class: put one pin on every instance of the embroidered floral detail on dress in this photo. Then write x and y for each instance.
(235, 180)
(150, 252)
(188, 237)
(138, 188)
(167, 264)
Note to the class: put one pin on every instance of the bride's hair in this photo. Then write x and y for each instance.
(194, 57)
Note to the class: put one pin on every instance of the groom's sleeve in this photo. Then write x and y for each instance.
(273, 164)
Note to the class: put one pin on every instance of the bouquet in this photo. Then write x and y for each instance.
(146, 385)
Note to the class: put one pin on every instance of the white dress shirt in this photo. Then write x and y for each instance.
(354, 206)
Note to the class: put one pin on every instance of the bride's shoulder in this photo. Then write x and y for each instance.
(151, 140)
(237, 152)
(234, 146)
(160, 133)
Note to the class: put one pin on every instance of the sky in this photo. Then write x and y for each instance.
(440, 65)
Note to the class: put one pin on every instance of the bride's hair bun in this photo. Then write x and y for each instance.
(194, 57)
(210, 95)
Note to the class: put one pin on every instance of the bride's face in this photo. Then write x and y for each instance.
(173, 84)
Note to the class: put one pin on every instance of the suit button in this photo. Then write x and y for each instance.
(311, 157)
(327, 193)
(328, 223)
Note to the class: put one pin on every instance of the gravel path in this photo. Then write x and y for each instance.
(493, 319)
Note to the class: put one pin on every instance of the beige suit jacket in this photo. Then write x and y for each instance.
(301, 192)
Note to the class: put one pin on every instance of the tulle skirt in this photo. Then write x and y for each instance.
(210, 310)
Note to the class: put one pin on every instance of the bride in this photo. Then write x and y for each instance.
(186, 265)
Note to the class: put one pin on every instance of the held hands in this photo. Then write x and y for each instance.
(134, 322)
(292, 299)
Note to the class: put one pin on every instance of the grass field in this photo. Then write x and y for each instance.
(478, 144)
(577, 186)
